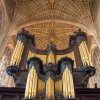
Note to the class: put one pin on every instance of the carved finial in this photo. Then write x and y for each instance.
(79, 30)
(23, 29)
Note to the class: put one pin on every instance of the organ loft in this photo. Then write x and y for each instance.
(51, 74)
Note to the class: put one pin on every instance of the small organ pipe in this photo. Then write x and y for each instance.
(51, 58)
(27, 86)
(50, 88)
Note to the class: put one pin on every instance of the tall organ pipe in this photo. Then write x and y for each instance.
(31, 85)
(17, 54)
(85, 56)
(50, 88)
(67, 80)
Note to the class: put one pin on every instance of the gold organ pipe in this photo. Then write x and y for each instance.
(34, 89)
(64, 86)
(68, 87)
(50, 88)
(53, 88)
(69, 91)
(16, 53)
(31, 85)
(27, 86)
(82, 48)
(47, 90)
(70, 82)
(72, 86)
(34, 83)
(85, 53)
(66, 78)
(88, 53)
(21, 52)
(32, 78)
(16, 57)
(73, 90)
(82, 55)
(51, 58)
(12, 59)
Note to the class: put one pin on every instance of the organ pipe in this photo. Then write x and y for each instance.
(16, 57)
(68, 86)
(50, 88)
(51, 58)
(31, 85)
(85, 56)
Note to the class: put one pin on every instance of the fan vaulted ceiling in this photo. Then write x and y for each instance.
(46, 32)
(26, 12)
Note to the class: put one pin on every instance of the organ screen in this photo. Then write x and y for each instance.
(50, 73)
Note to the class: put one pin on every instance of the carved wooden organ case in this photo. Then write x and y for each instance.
(50, 73)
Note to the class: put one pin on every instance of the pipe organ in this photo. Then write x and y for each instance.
(67, 79)
(17, 55)
(31, 86)
(84, 53)
(50, 74)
